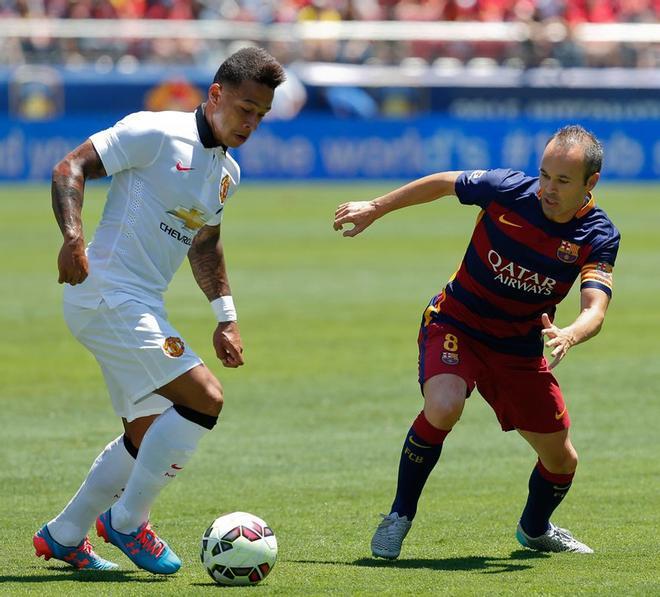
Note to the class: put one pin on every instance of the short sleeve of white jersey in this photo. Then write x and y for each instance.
(216, 219)
(134, 142)
(231, 177)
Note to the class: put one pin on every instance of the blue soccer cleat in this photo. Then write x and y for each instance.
(143, 547)
(81, 556)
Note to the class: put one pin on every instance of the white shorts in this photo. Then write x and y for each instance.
(138, 351)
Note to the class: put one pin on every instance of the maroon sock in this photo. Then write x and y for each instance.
(419, 455)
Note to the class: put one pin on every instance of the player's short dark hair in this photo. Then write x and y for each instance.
(250, 64)
(575, 134)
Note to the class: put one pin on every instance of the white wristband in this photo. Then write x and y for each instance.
(224, 309)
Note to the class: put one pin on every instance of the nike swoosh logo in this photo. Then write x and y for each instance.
(560, 415)
(176, 467)
(505, 221)
(181, 168)
(414, 443)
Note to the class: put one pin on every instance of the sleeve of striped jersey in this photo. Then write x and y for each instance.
(597, 275)
(480, 187)
(597, 272)
(134, 142)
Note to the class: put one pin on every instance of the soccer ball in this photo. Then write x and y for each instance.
(238, 549)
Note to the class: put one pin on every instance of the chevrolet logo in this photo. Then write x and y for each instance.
(192, 219)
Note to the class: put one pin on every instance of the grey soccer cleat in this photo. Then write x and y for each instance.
(554, 539)
(387, 540)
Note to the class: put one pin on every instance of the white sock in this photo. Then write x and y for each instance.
(166, 448)
(103, 485)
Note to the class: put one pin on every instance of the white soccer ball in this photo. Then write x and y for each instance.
(239, 549)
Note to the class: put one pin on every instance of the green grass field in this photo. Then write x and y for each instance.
(312, 427)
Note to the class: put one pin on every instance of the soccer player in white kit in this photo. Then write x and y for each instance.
(171, 178)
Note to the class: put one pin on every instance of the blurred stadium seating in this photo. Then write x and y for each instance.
(430, 66)
(519, 33)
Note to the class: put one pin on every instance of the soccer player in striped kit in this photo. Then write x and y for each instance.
(534, 236)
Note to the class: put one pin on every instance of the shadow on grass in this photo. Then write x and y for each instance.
(211, 583)
(517, 561)
(84, 576)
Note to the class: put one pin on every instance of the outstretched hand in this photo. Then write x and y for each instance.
(228, 344)
(559, 339)
(359, 213)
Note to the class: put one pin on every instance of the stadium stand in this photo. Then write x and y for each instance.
(555, 33)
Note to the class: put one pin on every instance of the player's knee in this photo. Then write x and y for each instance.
(198, 390)
(444, 399)
(213, 398)
(570, 461)
(570, 458)
(443, 413)
(205, 396)
(564, 462)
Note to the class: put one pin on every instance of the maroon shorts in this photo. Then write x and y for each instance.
(522, 391)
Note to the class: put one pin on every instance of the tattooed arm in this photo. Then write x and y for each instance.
(68, 186)
(207, 262)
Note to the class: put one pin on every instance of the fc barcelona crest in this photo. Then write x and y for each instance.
(568, 252)
(224, 188)
(450, 358)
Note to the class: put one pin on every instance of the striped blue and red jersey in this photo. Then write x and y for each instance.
(519, 264)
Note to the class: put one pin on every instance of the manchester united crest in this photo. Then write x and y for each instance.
(568, 252)
(224, 188)
(173, 347)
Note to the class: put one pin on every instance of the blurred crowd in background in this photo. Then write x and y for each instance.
(552, 41)
(272, 11)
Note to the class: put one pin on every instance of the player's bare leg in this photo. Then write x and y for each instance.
(197, 389)
(548, 485)
(167, 446)
(555, 450)
(444, 399)
(136, 429)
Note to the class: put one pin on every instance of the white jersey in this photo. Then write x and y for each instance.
(169, 178)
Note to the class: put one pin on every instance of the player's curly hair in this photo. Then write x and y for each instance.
(250, 64)
(575, 134)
